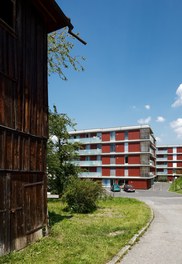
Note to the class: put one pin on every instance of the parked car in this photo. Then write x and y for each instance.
(128, 188)
(115, 188)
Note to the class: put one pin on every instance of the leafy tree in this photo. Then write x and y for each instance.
(81, 195)
(59, 54)
(60, 152)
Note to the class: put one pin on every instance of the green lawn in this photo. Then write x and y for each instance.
(176, 186)
(85, 238)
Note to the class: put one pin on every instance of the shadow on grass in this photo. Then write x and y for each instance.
(55, 218)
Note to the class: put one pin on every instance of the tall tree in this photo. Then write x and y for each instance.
(59, 54)
(60, 151)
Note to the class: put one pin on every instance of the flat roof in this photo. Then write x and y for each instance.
(121, 128)
(168, 146)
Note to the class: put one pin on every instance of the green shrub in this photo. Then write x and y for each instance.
(81, 195)
(162, 178)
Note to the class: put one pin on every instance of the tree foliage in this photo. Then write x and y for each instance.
(60, 152)
(59, 54)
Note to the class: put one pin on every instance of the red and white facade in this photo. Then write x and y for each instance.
(118, 155)
(169, 161)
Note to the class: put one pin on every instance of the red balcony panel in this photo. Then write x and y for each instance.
(119, 171)
(134, 147)
(120, 160)
(106, 171)
(106, 136)
(170, 150)
(93, 146)
(93, 169)
(106, 160)
(134, 159)
(179, 150)
(134, 134)
(120, 135)
(134, 171)
(93, 157)
(106, 148)
(119, 147)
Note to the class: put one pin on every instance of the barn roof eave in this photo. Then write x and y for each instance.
(53, 15)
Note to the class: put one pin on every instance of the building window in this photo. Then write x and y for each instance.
(112, 171)
(125, 172)
(99, 157)
(174, 150)
(112, 160)
(126, 135)
(126, 159)
(112, 148)
(126, 147)
(7, 11)
(112, 135)
(87, 147)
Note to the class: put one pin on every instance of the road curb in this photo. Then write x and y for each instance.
(117, 258)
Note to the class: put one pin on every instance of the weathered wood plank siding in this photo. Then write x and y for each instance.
(23, 128)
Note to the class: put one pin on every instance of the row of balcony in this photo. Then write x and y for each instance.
(99, 174)
(99, 152)
(97, 140)
(98, 163)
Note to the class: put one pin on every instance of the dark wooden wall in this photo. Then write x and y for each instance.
(23, 127)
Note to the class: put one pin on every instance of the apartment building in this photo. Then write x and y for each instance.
(169, 161)
(117, 155)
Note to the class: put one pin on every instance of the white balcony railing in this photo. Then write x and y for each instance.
(87, 163)
(86, 140)
(161, 166)
(90, 174)
(90, 152)
(162, 173)
(161, 152)
(161, 159)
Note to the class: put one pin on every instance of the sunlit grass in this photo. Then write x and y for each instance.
(86, 238)
(176, 186)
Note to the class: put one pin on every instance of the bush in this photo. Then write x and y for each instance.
(176, 185)
(162, 178)
(81, 195)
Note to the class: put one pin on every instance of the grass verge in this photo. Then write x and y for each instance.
(176, 186)
(85, 238)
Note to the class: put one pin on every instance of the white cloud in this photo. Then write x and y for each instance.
(158, 139)
(144, 121)
(160, 119)
(178, 101)
(147, 107)
(177, 127)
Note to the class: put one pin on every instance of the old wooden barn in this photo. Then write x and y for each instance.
(24, 118)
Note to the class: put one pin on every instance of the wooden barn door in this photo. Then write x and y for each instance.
(26, 209)
(4, 215)
(17, 239)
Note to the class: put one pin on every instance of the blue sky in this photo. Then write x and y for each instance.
(133, 67)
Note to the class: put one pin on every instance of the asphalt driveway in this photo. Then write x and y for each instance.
(162, 242)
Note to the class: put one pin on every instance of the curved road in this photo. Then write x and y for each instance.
(162, 242)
